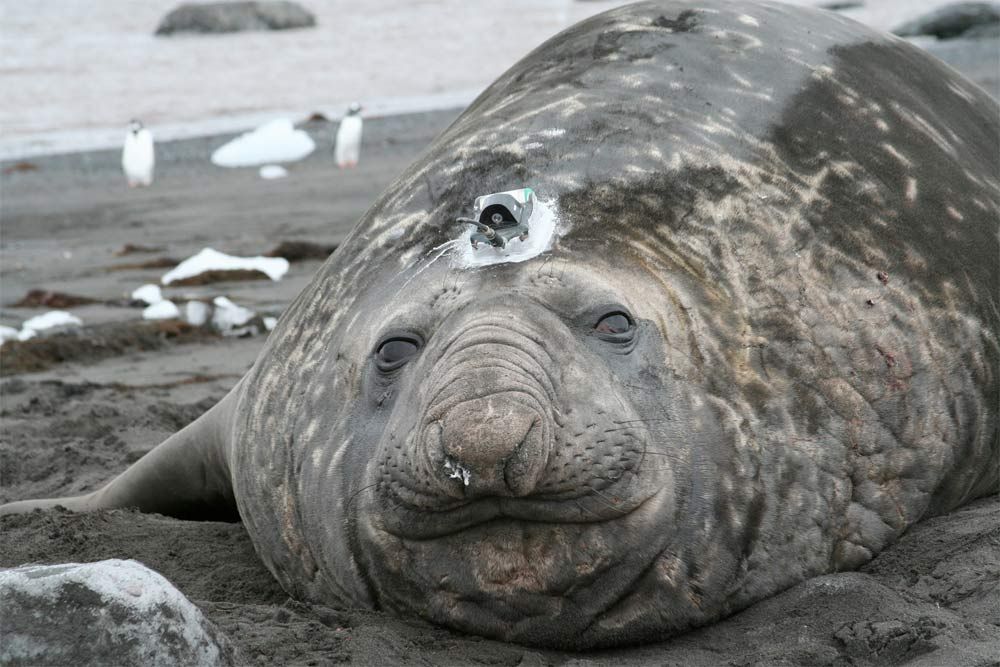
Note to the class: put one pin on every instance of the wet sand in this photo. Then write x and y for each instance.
(931, 599)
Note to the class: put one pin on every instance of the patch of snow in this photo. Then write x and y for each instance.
(150, 294)
(269, 172)
(54, 319)
(270, 322)
(209, 260)
(276, 141)
(161, 310)
(197, 312)
(228, 315)
(51, 320)
(7, 333)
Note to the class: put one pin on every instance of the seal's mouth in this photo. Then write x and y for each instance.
(404, 519)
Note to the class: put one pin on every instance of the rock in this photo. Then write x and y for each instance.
(112, 612)
(975, 58)
(40, 298)
(983, 31)
(841, 5)
(297, 251)
(130, 248)
(952, 20)
(20, 167)
(215, 17)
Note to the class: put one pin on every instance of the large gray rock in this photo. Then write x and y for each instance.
(975, 58)
(952, 20)
(215, 17)
(113, 612)
(983, 31)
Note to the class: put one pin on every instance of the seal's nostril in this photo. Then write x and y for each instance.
(520, 467)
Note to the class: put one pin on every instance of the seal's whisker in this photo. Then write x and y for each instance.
(623, 428)
(356, 493)
(586, 509)
(639, 421)
(443, 248)
(609, 502)
(642, 458)
(636, 424)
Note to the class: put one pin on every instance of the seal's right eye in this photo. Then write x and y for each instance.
(614, 324)
(396, 350)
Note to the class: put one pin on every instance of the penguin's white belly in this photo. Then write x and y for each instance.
(348, 148)
(138, 158)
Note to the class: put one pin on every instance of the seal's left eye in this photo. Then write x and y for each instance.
(614, 324)
(396, 351)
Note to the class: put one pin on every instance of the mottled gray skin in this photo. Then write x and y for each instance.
(800, 217)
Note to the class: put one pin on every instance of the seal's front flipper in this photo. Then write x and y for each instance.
(185, 476)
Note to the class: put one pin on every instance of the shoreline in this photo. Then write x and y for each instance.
(96, 140)
(422, 125)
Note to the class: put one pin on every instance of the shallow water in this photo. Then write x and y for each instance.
(73, 72)
(72, 68)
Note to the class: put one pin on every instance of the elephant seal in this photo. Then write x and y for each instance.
(756, 338)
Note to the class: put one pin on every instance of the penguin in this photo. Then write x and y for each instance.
(137, 155)
(348, 148)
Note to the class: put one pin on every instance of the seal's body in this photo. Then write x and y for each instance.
(761, 342)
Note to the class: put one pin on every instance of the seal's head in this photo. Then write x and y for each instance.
(517, 474)
(522, 454)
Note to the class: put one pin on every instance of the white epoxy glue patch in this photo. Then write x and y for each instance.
(543, 229)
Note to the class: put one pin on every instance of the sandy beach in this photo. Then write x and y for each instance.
(76, 414)
(70, 427)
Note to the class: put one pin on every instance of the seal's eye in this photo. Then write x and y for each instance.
(395, 351)
(614, 324)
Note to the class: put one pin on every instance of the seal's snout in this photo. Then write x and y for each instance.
(495, 445)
